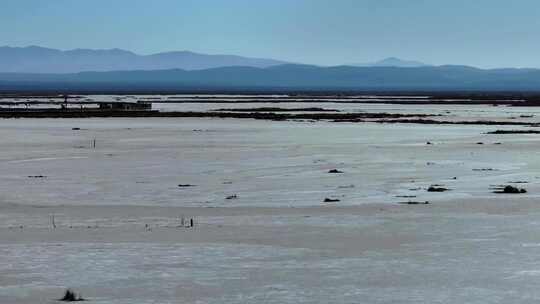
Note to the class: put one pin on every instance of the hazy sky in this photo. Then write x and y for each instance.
(485, 33)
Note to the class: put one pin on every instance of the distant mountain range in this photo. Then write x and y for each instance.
(35, 59)
(393, 62)
(38, 68)
(285, 77)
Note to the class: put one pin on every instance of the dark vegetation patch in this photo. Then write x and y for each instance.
(509, 190)
(275, 109)
(414, 203)
(437, 188)
(70, 296)
(514, 132)
(445, 122)
(331, 200)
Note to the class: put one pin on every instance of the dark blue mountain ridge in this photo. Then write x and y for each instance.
(448, 77)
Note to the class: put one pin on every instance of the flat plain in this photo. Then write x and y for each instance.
(113, 221)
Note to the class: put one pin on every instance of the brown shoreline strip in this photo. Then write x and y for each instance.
(255, 115)
(334, 117)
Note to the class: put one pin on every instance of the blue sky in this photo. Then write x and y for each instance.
(484, 33)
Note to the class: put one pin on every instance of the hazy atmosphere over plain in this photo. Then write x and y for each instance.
(483, 33)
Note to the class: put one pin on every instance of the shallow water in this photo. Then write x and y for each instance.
(468, 246)
(453, 260)
(141, 161)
